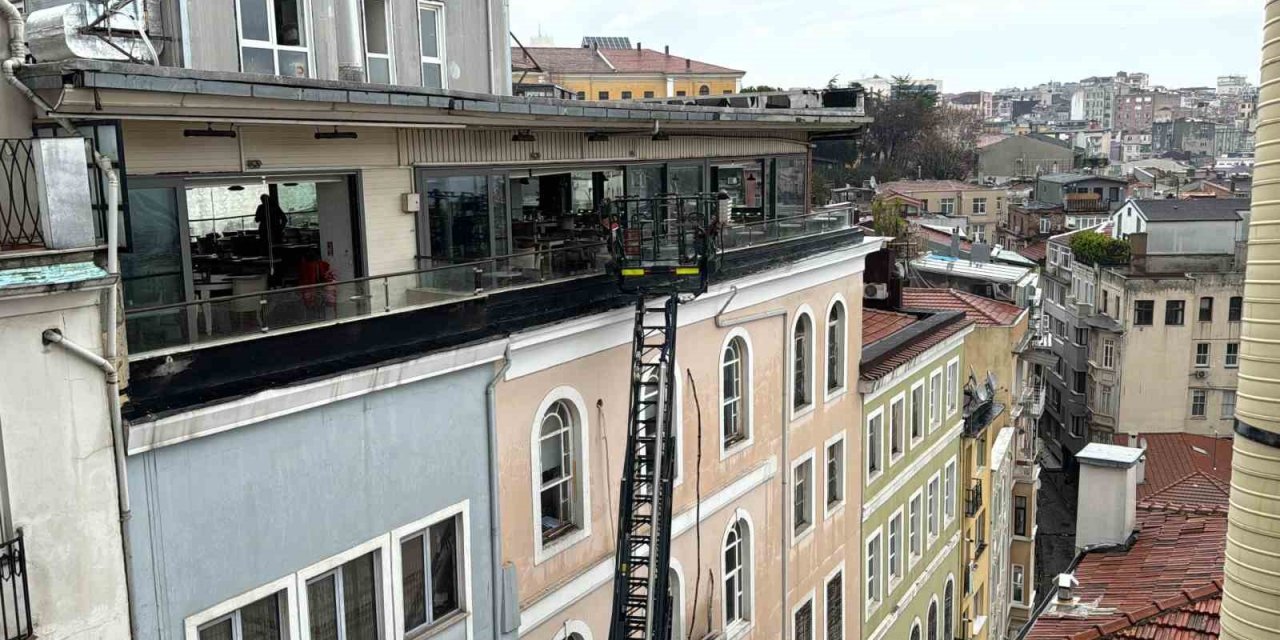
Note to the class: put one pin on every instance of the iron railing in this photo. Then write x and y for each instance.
(973, 499)
(19, 196)
(15, 600)
(164, 326)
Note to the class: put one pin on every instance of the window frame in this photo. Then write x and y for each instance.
(1175, 313)
(917, 411)
(423, 526)
(1143, 308)
(805, 315)
(979, 206)
(936, 399)
(933, 510)
(1203, 355)
(1108, 353)
(898, 440)
(383, 564)
(950, 482)
(1223, 413)
(1231, 355)
(896, 563)
(1203, 404)
(743, 574)
(953, 387)
(842, 355)
(838, 572)
(947, 206)
(810, 600)
(288, 585)
(830, 507)
(544, 550)
(744, 398)
(1017, 585)
(1024, 510)
(442, 43)
(1235, 309)
(915, 528)
(1202, 310)
(799, 533)
(874, 451)
(873, 572)
(390, 55)
(272, 33)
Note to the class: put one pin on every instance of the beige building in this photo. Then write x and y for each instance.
(982, 208)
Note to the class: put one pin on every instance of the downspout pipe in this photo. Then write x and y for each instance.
(495, 532)
(1250, 606)
(722, 323)
(350, 41)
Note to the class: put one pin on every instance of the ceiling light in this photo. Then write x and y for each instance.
(523, 135)
(209, 133)
(596, 136)
(336, 135)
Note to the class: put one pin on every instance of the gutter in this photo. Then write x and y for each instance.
(495, 534)
(785, 476)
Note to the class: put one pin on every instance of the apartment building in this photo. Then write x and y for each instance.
(1024, 157)
(374, 380)
(981, 208)
(592, 72)
(910, 388)
(1061, 202)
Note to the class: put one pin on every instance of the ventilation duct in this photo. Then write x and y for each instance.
(59, 31)
(350, 40)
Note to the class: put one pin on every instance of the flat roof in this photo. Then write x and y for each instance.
(932, 263)
(1109, 455)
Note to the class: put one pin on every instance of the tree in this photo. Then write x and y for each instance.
(1091, 247)
(760, 88)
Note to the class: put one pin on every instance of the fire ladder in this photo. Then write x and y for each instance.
(660, 247)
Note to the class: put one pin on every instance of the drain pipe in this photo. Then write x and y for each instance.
(1251, 588)
(495, 533)
(785, 474)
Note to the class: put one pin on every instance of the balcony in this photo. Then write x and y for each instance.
(973, 499)
(1030, 402)
(1075, 203)
(15, 600)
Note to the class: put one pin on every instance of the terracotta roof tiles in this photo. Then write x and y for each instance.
(883, 366)
(878, 325)
(983, 311)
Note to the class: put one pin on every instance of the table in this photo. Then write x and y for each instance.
(207, 290)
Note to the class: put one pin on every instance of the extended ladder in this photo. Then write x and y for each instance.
(641, 603)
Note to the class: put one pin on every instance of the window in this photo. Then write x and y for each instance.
(895, 547)
(1104, 398)
(1018, 583)
(1206, 309)
(735, 403)
(948, 607)
(931, 625)
(273, 38)
(980, 451)
(1079, 381)
(264, 619)
(979, 233)
(1202, 354)
(915, 631)
(648, 94)
(874, 464)
(914, 531)
(917, 410)
(626, 95)
(1144, 312)
(344, 603)
(1113, 194)
(681, 94)
(1174, 310)
(430, 577)
(1233, 355)
(932, 502)
(602, 95)
(948, 206)
(801, 362)
(802, 496)
(835, 473)
(558, 494)
(737, 573)
(949, 488)
(1082, 336)
(1020, 515)
(897, 428)
(953, 387)
(1228, 405)
(835, 347)
(377, 41)
(1197, 403)
(835, 607)
(1235, 309)
(979, 206)
(873, 594)
(935, 399)
(704, 90)
(431, 44)
(1109, 353)
(1044, 224)
(803, 619)
(582, 95)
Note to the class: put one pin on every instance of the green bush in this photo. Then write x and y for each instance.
(1091, 247)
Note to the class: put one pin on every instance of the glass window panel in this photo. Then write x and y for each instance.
(294, 64)
(217, 631)
(685, 180)
(359, 598)
(322, 605)
(431, 77)
(413, 568)
(290, 25)
(258, 60)
(375, 26)
(427, 33)
(261, 620)
(444, 569)
(379, 70)
(254, 22)
(458, 217)
(790, 175)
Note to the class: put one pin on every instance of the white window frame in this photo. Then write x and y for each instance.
(745, 398)
(810, 493)
(900, 440)
(873, 580)
(1204, 404)
(979, 206)
(1017, 584)
(1231, 360)
(947, 206)
(288, 584)
(1108, 353)
(745, 574)
(877, 451)
(442, 42)
(1045, 224)
(915, 409)
(915, 524)
(462, 512)
(811, 600)
(843, 355)
(379, 544)
(953, 387)
(844, 600)
(1235, 398)
(390, 55)
(935, 399)
(803, 313)
(542, 552)
(895, 576)
(933, 510)
(275, 49)
(1203, 358)
(949, 488)
(830, 508)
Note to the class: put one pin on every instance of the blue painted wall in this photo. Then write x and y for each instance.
(220, 515)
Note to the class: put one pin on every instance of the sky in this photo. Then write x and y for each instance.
(968, 44)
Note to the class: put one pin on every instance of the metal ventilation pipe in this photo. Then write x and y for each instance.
(1251, 600)
(350, 40)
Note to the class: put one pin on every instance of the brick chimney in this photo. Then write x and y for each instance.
(1109, 477)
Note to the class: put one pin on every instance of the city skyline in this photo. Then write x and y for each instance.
(925, 38)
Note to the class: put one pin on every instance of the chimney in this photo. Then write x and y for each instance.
(638, 48)
(1066, 584)
(666, 49)
(1109, 476)
(350, 41)
(1138, 251)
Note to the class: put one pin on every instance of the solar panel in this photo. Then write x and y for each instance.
(606, 42)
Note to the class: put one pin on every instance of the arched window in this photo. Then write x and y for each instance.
(931, 625)
(675, 588)
(835, 346)
(737, 573)
(573, 630)
(802, 362)
(704, 90)
(735, 392)
(948, 611)
(559, 490)
(915, 631)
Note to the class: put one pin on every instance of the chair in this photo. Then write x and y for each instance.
(247, 306)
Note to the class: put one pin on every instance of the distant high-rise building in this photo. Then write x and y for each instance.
(1233, 85)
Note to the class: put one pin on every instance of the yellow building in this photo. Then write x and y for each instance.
(596, 73)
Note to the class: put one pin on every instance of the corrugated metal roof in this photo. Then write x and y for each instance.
(1194, 210)
(989, 271)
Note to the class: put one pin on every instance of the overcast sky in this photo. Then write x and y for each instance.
(968, 44)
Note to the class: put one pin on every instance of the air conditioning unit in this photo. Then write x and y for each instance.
(1201, 375)
(875, 291)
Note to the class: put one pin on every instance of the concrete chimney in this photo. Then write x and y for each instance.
(1066, 585)
(350, 40)
(1109, 477)
(666, 49)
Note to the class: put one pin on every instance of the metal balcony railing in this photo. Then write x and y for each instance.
(1031, 400)
(15, 601)
(19, 197)
(973, 499)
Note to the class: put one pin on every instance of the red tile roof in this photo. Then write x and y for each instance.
(587, 60)
(1036, 251)
(908, 187)
(983, 311)
(1198, 488)
(885, 365)
(1187, 461)
(878, 325)
(941, 237)
(1164, 586)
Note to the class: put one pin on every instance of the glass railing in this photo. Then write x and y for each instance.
(745, 234)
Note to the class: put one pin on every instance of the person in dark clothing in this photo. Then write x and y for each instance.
(271, 221)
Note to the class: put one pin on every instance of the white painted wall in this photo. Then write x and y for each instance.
(59, 469)
(1113, 499)
(1192, 237)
